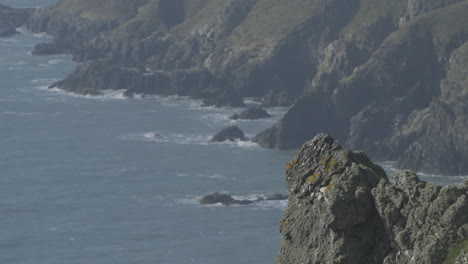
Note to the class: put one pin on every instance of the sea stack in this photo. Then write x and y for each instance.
(344, 209)
(231, 133)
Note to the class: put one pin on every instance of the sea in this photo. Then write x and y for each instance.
(107, 179)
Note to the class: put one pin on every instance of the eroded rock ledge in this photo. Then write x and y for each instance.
(344, 209)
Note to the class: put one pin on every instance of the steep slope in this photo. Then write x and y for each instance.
(246, 47)
(369, 108)
(344, 209)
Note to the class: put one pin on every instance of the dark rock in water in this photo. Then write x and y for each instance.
(251, 113)
(6, 32)
(344, 209)
(224, 199)
(231, 133)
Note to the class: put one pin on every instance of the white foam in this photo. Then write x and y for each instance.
(426, 175)
(56, 61)
(10, 40)
(44, 81)
(104, 94)
(256, 205)
(177, 138)
(204, 176)
(186, 139)
(18, 113)
(241, 144)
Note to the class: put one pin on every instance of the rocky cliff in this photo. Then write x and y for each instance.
(376, 74)
(344, 209)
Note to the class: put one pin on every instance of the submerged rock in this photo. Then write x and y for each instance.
(251, 113)
(225, 199)
(344, 209)
(231, 133)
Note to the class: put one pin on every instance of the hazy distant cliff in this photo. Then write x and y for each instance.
(344, 209)
(387, 77)
(10, 19)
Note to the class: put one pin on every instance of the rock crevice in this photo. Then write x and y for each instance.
(344, 209)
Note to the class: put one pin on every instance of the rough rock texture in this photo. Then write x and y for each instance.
(437, 136)
(251, 113)
(231, 133)
(383, 102)
(249, 47)
(462, 258)
(11, 18)
(344, 209)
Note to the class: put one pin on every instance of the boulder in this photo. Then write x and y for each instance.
(231, 133)
(221, 198)
(251, 113)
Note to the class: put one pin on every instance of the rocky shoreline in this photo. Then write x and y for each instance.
(343, 208)
(388, 78)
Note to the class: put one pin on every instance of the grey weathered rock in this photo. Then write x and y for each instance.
(344, 209)
(221, 198)
(462, 258)
(251, 113)
(275, 98)
(382, 102)
(227, 200)
(231, 133)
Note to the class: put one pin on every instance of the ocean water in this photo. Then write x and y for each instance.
(86, 180)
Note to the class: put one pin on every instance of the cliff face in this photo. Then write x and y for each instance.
(344, 209)
(374, 74)
(246, 47)
(399, 103)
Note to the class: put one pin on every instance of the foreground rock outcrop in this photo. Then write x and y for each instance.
(344, 209)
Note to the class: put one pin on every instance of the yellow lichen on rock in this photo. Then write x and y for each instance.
(290, 164)
(313, 179)
(330, 186)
